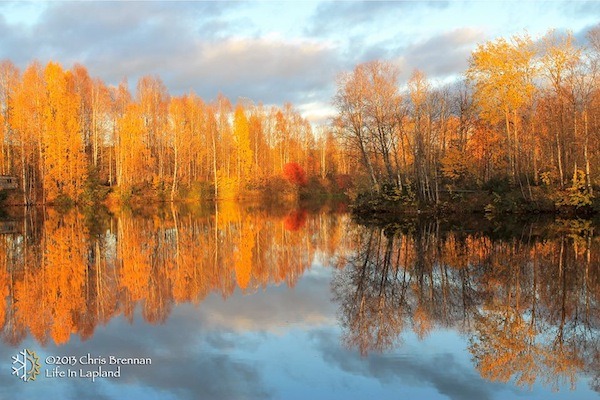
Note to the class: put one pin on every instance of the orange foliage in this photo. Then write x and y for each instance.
(64, 168)
(58, 124)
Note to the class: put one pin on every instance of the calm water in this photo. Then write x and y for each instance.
(245, 303)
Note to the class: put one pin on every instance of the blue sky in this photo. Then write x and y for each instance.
(270, 52)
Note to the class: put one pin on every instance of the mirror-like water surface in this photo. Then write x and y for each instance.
(245, 303)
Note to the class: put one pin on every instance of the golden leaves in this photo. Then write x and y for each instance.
(502, 72)
(64, 164)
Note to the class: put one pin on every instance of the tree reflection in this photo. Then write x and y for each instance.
(66, 273)
(528, 302)
(372, 294)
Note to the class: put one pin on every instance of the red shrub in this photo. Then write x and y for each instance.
(295, 174)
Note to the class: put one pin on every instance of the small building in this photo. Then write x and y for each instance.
(8, 182)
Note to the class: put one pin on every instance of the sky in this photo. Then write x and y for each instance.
(271, 52)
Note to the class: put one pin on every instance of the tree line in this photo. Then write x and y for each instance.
(63, 132)
(526, 113)
(526, 116)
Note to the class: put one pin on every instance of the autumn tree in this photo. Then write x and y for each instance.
(64, 168)
(241, 137)
(180, 131)
(295, 174)
(260, 150)
(502, 73)
(134, 160)
(226, 186)
(28, 125)
(195, 153)
(100, 127)
(93, 113)
(383, 102)
(153, 97)
(369, 105)
(422, 133)
(351, 118)
(9, 80)
(559, 57)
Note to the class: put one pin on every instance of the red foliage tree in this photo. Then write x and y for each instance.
(295, 174)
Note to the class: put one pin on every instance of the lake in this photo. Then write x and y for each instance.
(250, 302)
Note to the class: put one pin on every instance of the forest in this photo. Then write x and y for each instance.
(68, 136)
(521, 127)
(523, 124)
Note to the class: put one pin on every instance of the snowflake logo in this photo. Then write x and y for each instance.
(26, 365)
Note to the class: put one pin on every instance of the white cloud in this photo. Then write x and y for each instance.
(268, 52)
(444, 54)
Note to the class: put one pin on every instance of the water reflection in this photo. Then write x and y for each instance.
(74, 275)
(528, 303)
(527, 298)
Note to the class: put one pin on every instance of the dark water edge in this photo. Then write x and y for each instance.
(522, 226)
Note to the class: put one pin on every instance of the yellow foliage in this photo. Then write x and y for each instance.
(133, 156)
(502, 72)
(454, 164)
(228, 186)
(64, 161)
(241, 136)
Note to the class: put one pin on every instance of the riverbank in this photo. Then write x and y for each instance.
(491, 203)
(274, 190)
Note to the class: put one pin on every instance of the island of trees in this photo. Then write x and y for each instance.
(520, 131)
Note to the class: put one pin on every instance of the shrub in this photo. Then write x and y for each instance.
(295, 174)
(577, 195)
